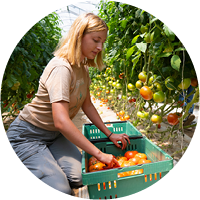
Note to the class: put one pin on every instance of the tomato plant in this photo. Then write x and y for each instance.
(27, 61)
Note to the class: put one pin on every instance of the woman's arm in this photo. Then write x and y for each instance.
(91, 112)
(64, 124)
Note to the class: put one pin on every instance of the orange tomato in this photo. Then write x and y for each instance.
(135, 160)
(121, 113)
(141, 156)
(126, 117)
(98, 166)
(143, 161)
(92, 161)
(127, 163)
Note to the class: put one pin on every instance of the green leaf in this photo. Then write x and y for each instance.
(142, 46)
(169, 33)
(153, 20)
(123, 23)
(175, 62)
(130, 52)
(180, 49)
(165, 54)
(134, 40)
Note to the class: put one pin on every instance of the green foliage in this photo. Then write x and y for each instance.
(27, 62)
(139, 41)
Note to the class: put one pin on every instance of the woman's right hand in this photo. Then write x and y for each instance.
(108, 159)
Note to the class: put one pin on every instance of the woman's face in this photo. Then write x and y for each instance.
(92, 44)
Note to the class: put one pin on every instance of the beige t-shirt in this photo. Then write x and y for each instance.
(59, 81)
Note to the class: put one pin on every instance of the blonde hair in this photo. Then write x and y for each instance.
(70, 46)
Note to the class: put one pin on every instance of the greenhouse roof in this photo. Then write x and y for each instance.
(69, 13)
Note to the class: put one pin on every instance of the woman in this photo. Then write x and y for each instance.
(43, 135)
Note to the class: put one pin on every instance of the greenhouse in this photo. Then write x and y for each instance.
(116, 84)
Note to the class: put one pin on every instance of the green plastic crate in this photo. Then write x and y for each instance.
(106, 184)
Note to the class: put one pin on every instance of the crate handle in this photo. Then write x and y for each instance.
(108, 140)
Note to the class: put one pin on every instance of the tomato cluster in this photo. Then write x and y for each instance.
(130, 158)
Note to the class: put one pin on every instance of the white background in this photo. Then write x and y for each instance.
(17, 17)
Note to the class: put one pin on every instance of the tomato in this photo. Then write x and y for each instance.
(121, 159)
(92, 161)
(194, 82)
(156, 119)
(172, 119)
(114, 84)
(98, 166)
(169, 83)
(130, 154)
(112, 91)
(142, 76)
(127, 163)
(185, 83)
(159, 126)
(122, 75)
(118, 86)
(159, 97)
(141, 156)
(143, 114)
(121, 113)
(126, 117)
(152, 79)
(107, 91)
(158, 86)
(146, 93)
(29, 96)
(110, 82)
(138, 84)
(144, 161)
(124, 97)
(130, 86)
(109, 97)
(135, 160)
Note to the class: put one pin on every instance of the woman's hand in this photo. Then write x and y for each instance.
(120, 137)
(108, 159)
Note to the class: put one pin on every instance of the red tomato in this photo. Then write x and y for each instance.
(172, 119)
(146, 93)
(130, 154)
(194, 82)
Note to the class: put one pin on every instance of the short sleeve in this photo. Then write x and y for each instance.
(58, 84)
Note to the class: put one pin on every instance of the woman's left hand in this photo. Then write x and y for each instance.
(115, 138)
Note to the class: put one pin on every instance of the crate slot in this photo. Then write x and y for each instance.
(155, 176)
(115, 183)
(104, 185)
(98, 186)
(109, 184)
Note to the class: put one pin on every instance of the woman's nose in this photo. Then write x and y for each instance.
(100, 46)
